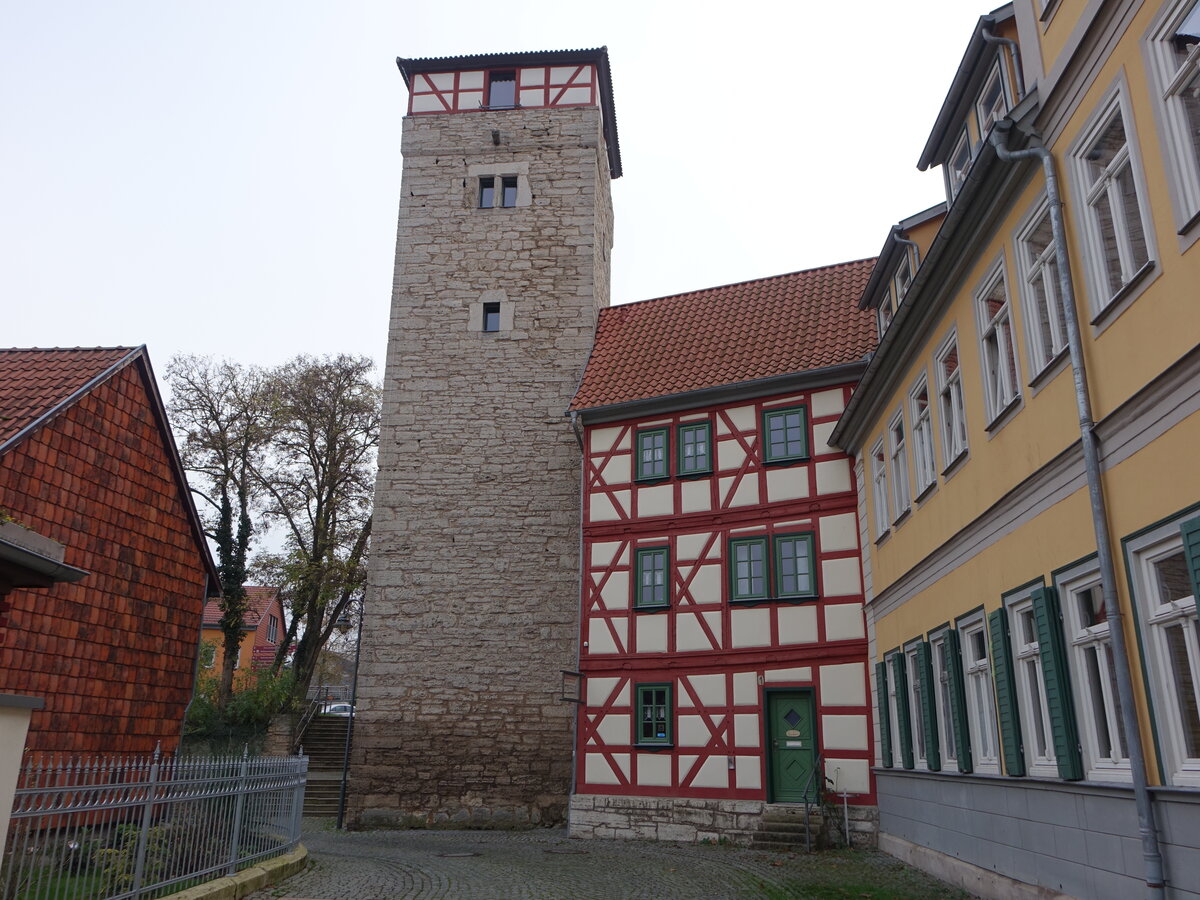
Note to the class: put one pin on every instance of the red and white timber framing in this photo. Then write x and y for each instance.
(720, 656)
(537, 86)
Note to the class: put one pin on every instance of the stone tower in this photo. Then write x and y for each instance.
(502, 262)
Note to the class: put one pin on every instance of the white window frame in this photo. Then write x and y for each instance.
(981, 701)
(924, 455)
(900, 286)
(956, 177)
(898, 464)
(997, 343)
(1096, 703)
(879, 490)
(1148, 548)
(1040, 271)
(913, 673)
(951, 402)
(1169, 81)
(987, 116)
(943, 702)
(894, 711)
(1033, 710)
(886, 312)
(1088, 193)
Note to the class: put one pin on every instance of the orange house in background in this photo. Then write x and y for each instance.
(261, 634)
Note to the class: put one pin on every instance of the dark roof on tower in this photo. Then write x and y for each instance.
(729, 335)
(597, 56)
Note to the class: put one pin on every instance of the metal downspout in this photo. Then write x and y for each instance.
(577, 428)
(896, 233)
(1091, 459)
(1014, 51)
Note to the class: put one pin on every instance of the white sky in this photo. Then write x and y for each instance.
(221, 176)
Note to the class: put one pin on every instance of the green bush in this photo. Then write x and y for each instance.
(254, 702)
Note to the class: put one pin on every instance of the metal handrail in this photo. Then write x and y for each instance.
(808, 803)
(314, 706)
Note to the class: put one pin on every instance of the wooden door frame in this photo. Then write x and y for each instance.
(768, 750)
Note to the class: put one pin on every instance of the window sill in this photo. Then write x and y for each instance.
(660, 607)
(887, 533)
(923, 494)
(902, 518)
(786, 461)
(1055, 365)
(1189, 224)
(755, 601)
(653, 746)
(655, 479)
(955, 464)
(1004, 416)
(693, 476)
(1115, 305)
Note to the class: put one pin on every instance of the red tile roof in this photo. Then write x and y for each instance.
(261, 599)
(35, 381)
(729, 334)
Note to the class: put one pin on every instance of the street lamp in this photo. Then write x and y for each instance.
(343, 625)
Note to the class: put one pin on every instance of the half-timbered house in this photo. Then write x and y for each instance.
(722, 645)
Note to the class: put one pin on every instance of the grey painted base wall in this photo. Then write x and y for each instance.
(1080, 839)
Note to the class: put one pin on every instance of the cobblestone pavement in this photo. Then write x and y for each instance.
(547, 865)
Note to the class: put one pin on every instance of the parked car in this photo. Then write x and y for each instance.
(337, 709)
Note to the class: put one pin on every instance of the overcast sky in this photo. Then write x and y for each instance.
(221, 176)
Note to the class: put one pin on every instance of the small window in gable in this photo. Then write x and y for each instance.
(992, 104)
(502, 89)
(885, 312)
(958, 164)
(903, 278)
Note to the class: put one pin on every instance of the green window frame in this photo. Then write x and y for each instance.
(749, 569)
(933, 754)
(1056, 675)
(652, 585)
(654, 711)
(958, 700)
(795, 565)
(652, 457)
(1012, 747)
(885, 719)
(903, 718)
(694, 440)
(785, 434)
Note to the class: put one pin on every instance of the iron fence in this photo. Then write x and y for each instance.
(135, 828)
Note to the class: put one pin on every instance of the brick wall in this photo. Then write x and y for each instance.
(113, 655)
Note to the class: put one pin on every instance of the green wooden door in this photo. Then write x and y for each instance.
(792, 733)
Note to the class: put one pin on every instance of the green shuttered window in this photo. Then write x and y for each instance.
(903, 723)
(885, 724)
(1057, 677)
(1006, 694)
(933, 759)
(958, 701)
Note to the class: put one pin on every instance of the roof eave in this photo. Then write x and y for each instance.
(882, 271)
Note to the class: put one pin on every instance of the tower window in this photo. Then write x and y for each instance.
(491, 317)
(487, 192)
(509, 195)
(507, 191)
(502, 90)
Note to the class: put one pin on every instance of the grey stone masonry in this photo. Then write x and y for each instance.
(473, 595)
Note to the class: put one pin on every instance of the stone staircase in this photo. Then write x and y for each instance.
(782, 827)
(324, 743)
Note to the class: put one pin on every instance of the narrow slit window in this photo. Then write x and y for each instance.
(491, 317)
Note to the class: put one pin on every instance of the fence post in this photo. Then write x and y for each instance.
(139, 866)
(300, 773)
(239, 804)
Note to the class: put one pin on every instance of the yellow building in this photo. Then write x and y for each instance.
(1026, 443)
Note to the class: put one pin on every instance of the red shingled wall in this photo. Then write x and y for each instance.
(113, 656)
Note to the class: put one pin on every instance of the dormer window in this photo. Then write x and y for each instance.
(992, 105)
(885, 311)
(502, 89)
(958, 164)
(903, 278)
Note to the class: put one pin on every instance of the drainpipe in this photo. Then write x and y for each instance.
(896, 234)
(1091, 461)
(1014, 51)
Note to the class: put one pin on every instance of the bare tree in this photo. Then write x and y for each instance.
(220, 412)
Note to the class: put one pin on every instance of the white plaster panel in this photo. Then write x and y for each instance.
(787, 484)
(443, 81)
(839, 532)
(844, 622)
(652, 633)
(536, 97)
(613, 729)
(656, 501)
(602, 439)
(426, 103)
(686, 761)
(748, 773)
(617, 469)
(562, 74)
(746, 730)
(470, 80)
(710, 689)
(654, 769)
(596, 769)
(689, 546)
(691, 732)
(827, 403)
(625, 441)
(714, 773)
(470, 99)
(841, 577)
(622, 698)
(803, 673)
(849, 775)
(821, 432)
(615, 593)
(797, 624)
(576, 95)
(600, 508)
(706, 586)
(688, 633)
(535, 75)
(602, 554)
(844, 732)
(751, 627)
(743, 418)
(621, 501)
(747, 491)
(833, 476)
(598, 690)
(599, 639)
(843, 685)
(695, 496)
(745, 688)
(730, 455)
(722, 428)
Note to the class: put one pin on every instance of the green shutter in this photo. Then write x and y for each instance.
(885, 724)
(1057, 677)
(958, 701)
(903, 725)
(933, 756)
(1190, 530)
(1006, 694)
